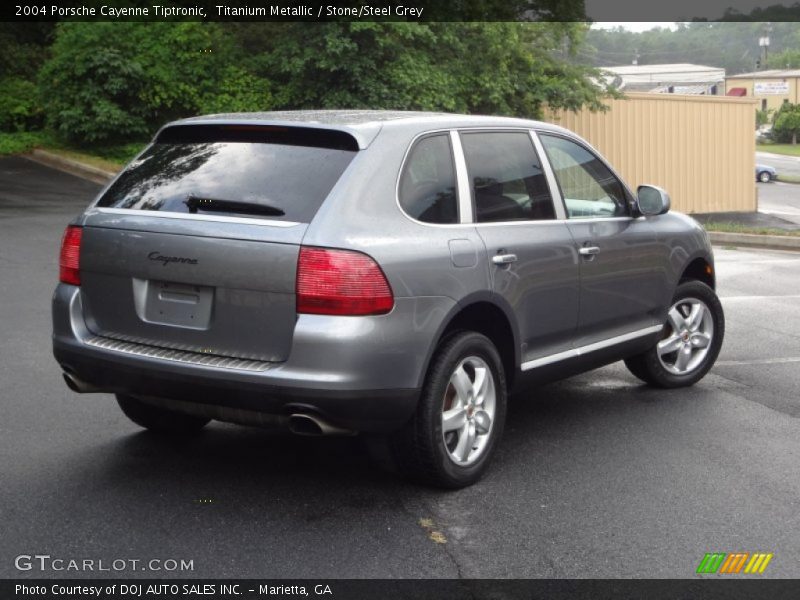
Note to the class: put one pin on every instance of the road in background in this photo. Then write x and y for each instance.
(780, 200)
(788, 165)
(597, 476)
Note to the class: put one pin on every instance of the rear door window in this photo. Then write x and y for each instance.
(506, 177)
(251, 171)
(428, 183)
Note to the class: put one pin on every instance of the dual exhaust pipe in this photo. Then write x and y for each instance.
(299, 423)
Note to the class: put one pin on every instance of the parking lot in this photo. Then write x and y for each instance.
(597, 476)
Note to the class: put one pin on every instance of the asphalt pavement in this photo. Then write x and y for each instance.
(597, 476)
(780, 200)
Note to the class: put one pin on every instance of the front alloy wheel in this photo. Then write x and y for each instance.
(690, 341)
(689, 337)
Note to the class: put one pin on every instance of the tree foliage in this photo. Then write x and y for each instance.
(98, 91)
(497, 68)
(787, 123)
(732, 46)
(114, 82)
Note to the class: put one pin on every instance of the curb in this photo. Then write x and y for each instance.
(772, 242)
(70, 166)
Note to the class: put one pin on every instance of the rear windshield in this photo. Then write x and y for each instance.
(260, 172)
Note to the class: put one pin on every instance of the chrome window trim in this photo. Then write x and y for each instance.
(551, 221)
(576, 352)
(462, 179)
(555, 189)
(189, 217)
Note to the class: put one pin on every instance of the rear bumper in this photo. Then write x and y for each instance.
(355, 373)
(359, 410)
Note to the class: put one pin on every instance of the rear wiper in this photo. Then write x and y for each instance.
(196, 203)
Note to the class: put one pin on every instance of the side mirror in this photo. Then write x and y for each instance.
(652, 200)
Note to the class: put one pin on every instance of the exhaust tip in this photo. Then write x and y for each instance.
(71, 384)
(78, 385)
(304, 425)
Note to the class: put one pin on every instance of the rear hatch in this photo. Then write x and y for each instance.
(194, 247)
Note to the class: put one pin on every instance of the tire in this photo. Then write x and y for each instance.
(424, 449)
(690, 342)
(764, 177)
(159, 420)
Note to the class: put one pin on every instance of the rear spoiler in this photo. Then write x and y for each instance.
(258, 134)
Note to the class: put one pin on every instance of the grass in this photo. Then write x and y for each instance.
(786, 149)
(87, 159)
(730, 227)
(110, 158)
(23, 141)
(784, 178)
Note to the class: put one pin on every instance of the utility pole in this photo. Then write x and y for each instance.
(763, 43)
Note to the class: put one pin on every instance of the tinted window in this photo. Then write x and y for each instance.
(587, 185)
(428, 183)
(235, 178)
(506, 177)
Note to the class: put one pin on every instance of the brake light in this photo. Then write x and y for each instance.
(341, 282)
(69, 259)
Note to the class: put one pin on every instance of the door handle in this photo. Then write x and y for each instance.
(504, 259)
(589, 251)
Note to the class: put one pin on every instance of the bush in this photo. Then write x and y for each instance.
(19, 142)
(19, 108)
(238, 91)
(786, 124)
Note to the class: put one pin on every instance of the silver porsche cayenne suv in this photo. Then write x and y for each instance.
(391, 274)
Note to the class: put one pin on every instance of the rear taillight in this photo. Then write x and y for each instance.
(69, 260)
(341, 282)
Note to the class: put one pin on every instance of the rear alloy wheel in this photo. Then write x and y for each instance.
(764, 177)
(460, 415)
(690, 342)
(159, 420)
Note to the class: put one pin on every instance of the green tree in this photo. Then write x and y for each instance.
(24, 48)
(496, 68)
(732, 46)
(787, 122)
(113, 82)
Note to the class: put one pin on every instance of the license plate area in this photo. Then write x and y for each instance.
(173, 304)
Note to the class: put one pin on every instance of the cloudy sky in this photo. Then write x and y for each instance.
(627, 11)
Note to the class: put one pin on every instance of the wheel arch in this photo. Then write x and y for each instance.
(490, 315)
(699, 268)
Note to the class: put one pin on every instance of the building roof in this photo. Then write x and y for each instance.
(677, 88)
(640, 76)
(770, 74)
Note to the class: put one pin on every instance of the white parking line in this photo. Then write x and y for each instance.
(762, 361)
(761, 261)
(726, 298)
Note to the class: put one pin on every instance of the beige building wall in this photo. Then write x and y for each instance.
(701, 149)
(773, 101)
